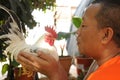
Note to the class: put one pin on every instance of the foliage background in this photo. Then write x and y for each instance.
(24, 8)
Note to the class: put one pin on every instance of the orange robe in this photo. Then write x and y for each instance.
(110, 70)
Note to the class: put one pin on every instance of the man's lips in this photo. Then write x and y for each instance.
(78, 42)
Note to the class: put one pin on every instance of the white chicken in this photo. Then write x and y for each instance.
(16, 40)
(46, 42)
(13, 32)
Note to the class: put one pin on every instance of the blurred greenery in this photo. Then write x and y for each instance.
(24, 8)
(4, 68)
(81, 76)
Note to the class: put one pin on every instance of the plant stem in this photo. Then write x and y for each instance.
(10, 75)
(61, 52)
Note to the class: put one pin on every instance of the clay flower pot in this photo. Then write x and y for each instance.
(82, 64)
(66, 62)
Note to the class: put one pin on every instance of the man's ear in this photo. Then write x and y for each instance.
(107, 35)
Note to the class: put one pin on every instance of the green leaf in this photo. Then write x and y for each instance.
(3, 59)
(64, 35)
(14, 63)
(76, 20)
(4, 68)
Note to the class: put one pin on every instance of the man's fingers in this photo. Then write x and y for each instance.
(30, 59)
(47, 57)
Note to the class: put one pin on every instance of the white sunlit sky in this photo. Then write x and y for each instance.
(43, 19)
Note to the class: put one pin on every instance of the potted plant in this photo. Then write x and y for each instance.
(82, 64)
(66, 61)
(9, 66)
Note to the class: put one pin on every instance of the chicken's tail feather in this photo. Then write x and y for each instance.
(12, 25)
(11, 33)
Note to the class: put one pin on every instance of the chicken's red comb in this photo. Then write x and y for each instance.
(51, 30)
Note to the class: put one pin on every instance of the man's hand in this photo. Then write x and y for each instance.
(43, 63)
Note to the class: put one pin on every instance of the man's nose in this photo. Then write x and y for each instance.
(78, 32)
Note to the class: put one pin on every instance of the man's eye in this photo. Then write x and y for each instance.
(83, 26)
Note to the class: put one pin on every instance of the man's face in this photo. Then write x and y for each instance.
(89, 36)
